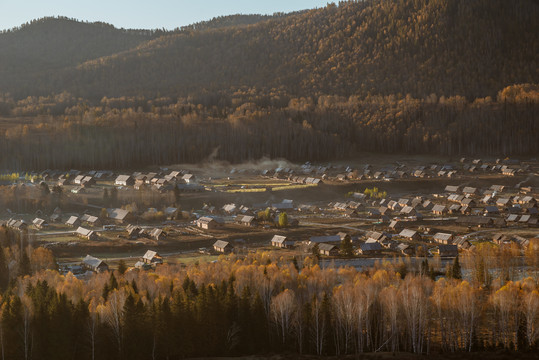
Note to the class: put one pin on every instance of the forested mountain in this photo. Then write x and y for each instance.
(49, 45)
(451, 77)
(459, 47)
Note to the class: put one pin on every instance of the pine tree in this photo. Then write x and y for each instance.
(24, 264)
(456, 272)
(316, 251)
(347, 249)
(4, 271)
(122, 267)
(113, 283)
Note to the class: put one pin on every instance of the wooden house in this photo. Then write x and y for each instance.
(370, 248)
(94, 264)
(17, 224)
(448, 250)
(158, 234)
(439, 210)
(281, 242)
(152, 257)
(443, 238)
(245, 220)
(124, 180)
(119, 216)
(73, 221)
(410, 235)
(328, 249)
(207, 223)
(86, 233)
(324, 239)
(223, 246)
(40, 223)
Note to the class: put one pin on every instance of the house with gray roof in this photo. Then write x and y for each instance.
(94, 264)
(223, 246)
(152, 257)
(410, 235)
(281, 241)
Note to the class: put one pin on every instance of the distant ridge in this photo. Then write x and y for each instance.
(446, 47)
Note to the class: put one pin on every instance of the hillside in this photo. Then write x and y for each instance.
(44, 48)
(50, 44)
(469, 48)
(444, 77)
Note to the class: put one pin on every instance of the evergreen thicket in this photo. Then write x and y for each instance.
(262, 304)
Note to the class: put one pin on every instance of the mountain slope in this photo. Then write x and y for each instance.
(448, 47)
(44, 48)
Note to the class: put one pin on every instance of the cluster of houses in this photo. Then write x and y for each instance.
(162, 180)
(464, 205)
(401, 171)
(159, 181)
(134, 232)
(147, 262)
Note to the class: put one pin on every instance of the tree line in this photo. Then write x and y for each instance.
(63, 132)
(264, 303)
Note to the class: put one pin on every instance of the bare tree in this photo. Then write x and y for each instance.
(531, 313)
(282, 309)
(344, 304)
(112, 314)
(318, 329)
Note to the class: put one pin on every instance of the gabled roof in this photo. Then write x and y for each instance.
(375, 235)
(117, 214)
(326, 247)
(402, 246)
(205, 220)
(156, 232)
(229, 207)
(38, 221)
(92, 261)
(491, 209)
(442, 236)
(72, 220)
(439, 208)
(84, 232)
(371, 246)
(407, 233)
(327, 238)
(221, 244)
(150, 255)
(123, 178)
(278, 239)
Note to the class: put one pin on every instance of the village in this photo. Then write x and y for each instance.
(92, 220)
